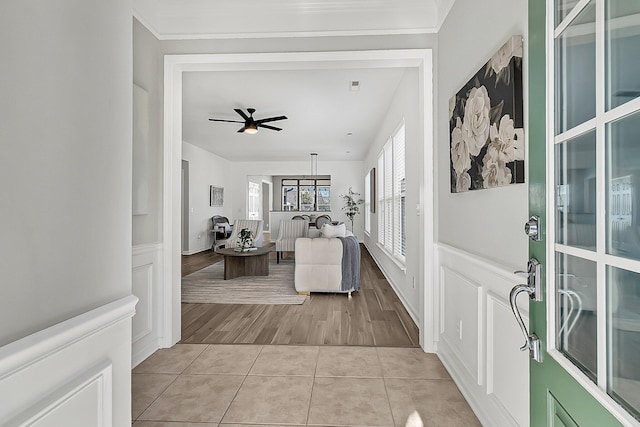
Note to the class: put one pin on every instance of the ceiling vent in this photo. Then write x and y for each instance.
(354, 86)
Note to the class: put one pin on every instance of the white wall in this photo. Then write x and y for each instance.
(65, 180)
(343, 175)
(405, 105)
(65, 168)
(206, 169)
(480, 234)
(484, 222)
(147, 72)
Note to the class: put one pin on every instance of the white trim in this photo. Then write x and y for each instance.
(568, 19)
(401, 266)
(195, 251)
(284, 34)
(176, 65)
(146, 248)
(21, 354)
(576, 131)
(501, 270)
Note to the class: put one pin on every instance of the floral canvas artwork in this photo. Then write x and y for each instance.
(487, 125)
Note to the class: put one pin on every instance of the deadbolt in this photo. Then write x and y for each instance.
(532, 228)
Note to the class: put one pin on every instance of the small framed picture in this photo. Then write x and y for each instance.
(216, 196)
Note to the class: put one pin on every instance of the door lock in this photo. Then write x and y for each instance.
(532, 228)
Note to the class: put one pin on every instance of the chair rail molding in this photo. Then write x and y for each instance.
(78, 369)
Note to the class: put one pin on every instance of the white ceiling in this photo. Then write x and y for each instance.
(320, 107)
(180, 19)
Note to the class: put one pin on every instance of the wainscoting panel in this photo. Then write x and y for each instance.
(75, 373)
(146, 285)
(461, 319)
(505, 362)
(479, 338)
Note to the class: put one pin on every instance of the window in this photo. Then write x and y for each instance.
(367, 203)
(392, 195)
(306, 195)
(254, 201)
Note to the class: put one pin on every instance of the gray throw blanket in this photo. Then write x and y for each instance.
(350, 264)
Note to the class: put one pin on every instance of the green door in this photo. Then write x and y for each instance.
(584, 183)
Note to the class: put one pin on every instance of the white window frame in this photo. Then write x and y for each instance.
(599, 256)
(390, 172)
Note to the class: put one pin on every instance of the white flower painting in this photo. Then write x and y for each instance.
(486, 124)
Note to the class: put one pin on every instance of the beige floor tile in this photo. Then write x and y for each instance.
(272, 400)
(262, 425)
(225, 359)
(439, 403)
(412, 363)
(170, 424)
(286, 360)
(172, 360)
(349, 401)
(348, 362)
(195, 398)
(145, 388)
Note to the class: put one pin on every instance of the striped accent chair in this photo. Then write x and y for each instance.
(289, 231)
(255, 225)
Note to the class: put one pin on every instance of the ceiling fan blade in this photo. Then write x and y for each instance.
(242, 114)
(221, 120)
(241, 130)
(271, 119)
(260, 125)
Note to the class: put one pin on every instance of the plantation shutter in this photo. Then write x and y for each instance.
(388, 196)
(367, 203)
(381, 208)
(399, 233)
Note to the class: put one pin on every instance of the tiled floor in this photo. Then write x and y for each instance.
(199, 385)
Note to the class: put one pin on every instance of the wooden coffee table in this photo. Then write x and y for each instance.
(252, 263)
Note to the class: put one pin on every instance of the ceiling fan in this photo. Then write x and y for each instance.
(250, 124)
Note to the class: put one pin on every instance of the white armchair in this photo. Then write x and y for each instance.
(255, 225)
(289, 231)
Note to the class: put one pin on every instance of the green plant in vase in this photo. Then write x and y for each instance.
(245, 239)
(351, 205)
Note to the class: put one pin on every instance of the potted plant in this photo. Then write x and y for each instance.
(245, 240)
(351, 205)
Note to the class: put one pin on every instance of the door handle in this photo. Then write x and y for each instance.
(532, 342)
(534, 289)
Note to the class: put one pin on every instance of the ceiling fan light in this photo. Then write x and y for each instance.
(251, 129)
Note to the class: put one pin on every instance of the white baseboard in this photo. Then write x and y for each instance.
(395, 288)
(195, 251)
(488, 411)
(143, 349)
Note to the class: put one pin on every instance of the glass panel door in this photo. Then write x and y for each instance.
(594, 270)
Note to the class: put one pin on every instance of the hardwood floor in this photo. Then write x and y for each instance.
(372, 317)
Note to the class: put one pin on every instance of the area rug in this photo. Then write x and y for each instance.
(207, 286)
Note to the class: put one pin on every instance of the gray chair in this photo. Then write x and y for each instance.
(322, 220)
(289, 231)
(298, 217)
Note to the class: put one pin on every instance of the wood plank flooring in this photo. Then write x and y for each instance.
(372, 317)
